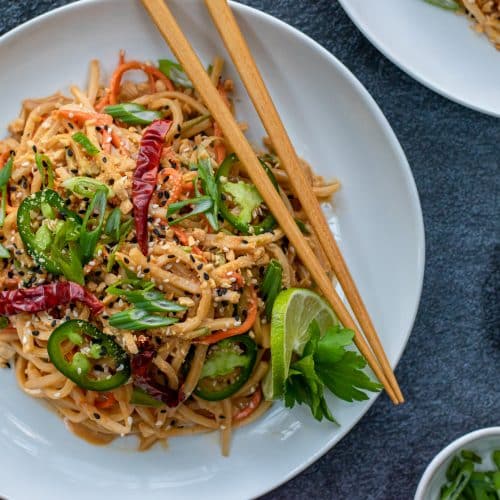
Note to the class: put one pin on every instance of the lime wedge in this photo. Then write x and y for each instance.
(293, 312)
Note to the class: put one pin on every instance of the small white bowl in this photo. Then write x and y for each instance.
(482, 442)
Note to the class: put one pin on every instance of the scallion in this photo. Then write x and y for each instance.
(139, 319)
(86, 187)
(5, 173)
(271, 285)
(201, 205)
(132, 114)
(92, 226)
(445, 4)
(85, 143)
(174, 71)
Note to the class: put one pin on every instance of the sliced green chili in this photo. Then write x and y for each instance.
(91, 345)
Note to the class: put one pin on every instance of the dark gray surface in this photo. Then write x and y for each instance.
(450, 369)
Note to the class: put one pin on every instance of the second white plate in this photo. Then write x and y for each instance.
(436, 47)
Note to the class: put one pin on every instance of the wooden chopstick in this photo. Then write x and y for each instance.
(191, 64)
(242, 57)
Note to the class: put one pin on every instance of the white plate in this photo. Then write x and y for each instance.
(337, 126)
(434, 46)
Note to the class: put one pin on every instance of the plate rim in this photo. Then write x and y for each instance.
(386, 51)
(395, 147)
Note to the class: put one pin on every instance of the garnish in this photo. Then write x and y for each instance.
(144, 181)
(85, 143)
(464, 481)
(46, 297)
(54, 245)
(228, 365)
(175, 72)
(86, 187)
(132, 113)
(5, 173)
(271, 285)
(91, 345)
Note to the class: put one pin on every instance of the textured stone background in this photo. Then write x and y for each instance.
(451, 367)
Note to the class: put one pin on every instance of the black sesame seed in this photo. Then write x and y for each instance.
(192, 258)
(206, 277)
(146, 270)
(126, 260)
(7, 365)
(97, 416)
(74, 170)
(35, 150)
(53, 323)
(70, 125)
(35, 333)
(111, 182)
(69, 152)
(104, 159)
(105, 316)
(199, 267)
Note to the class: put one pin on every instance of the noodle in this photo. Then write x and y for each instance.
(210, 274)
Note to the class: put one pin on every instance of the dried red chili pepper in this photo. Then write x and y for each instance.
(144, 181)
(143, 379)
(44, 297)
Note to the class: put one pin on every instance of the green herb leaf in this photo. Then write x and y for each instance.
(4, 322)
(85, 143)
(174, 71)
(132, 114)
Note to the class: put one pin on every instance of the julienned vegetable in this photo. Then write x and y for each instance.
(175, 72)
(463, 481)
(88, 345)
(46, 297)
(5, 173)
(144, 180)
(142, 398)
(54, 248)
(245, 199)
(132, 113)
(85, 143)
(228, 365)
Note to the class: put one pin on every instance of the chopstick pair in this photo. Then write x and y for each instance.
(247, 68)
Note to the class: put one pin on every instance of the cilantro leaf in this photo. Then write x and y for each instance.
(326, 362)
(342, 370)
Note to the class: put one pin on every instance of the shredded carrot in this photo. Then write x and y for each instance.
(8, 330)
(181, 236)
(171, 179)
(121, 57)
(105, 400)
(243, 328)
(251, 407)
(198, 251)
(151, 71)
(99, 106)
(3, 158)
(80, 117)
